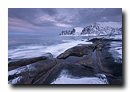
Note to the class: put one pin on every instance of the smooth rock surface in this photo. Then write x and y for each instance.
(27, 74)
(77, 51)
(18, 63)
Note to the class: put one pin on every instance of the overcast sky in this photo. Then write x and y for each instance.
(51, 21)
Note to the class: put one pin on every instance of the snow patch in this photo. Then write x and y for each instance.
(116, 50)
(65, 78)
(78, 29)
(16, 80)
(17, 70)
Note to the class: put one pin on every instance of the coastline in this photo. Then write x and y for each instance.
(80, 65)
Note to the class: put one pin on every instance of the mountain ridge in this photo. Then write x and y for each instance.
(97, 29)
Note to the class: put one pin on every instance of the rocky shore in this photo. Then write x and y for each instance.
(83, 60)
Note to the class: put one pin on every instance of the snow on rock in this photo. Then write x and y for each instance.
(116, 51)
(17, 70)
(75, 32)
(15, 81)
(78, 30)
(65, 78)
(103, 28)
(96, 29)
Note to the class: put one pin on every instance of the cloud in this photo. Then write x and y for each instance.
(63, 25)
(49, 11)
(40, 20)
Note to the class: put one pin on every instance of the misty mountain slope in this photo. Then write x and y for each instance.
(96, 29)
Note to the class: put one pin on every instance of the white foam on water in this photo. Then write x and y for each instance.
(116, 37)
(39, 50)
(26, 52)
(65, 78)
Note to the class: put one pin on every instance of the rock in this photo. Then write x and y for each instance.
(27, 74)
(72, 70)
(114, 80)
(18, 76)
(23, 62)
(77, 51)
(71, 59)
(102, 40)
(83, 60)
(48, 55)
(9, 59)
(87, 63)
(118, 71)
(107, 63)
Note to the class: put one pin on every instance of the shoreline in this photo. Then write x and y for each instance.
(78, 60)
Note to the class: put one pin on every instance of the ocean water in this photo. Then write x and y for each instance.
(20, 47)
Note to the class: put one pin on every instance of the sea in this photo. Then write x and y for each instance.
(20, 47)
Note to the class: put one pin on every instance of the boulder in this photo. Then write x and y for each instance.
(27, 74)
(26, 61)
(18, 76)
(106, 62)
(87, 63)
(71, 70)
(78, 51)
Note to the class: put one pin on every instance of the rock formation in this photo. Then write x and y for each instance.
(84, 60)
(96, 29)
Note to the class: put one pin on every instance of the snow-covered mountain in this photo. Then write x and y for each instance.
(98, 28)
(78, 30)
(66, 33)
(103, 28)
(75, 32)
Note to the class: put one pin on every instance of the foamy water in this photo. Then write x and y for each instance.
(30, 51)
(29, 47)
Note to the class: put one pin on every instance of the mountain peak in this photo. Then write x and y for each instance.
(96, 29)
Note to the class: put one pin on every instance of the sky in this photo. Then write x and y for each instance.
(51, 21)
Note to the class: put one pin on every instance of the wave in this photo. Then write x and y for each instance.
(30, 51)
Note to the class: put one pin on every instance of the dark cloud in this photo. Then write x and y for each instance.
(22, 13)
(112, 12)
(56, 19)
(87, 16)
(49, 11)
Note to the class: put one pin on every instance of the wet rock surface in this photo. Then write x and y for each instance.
(75, 70)
(22, 62)
(78, 51)
(84, 60)
(28, 73)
